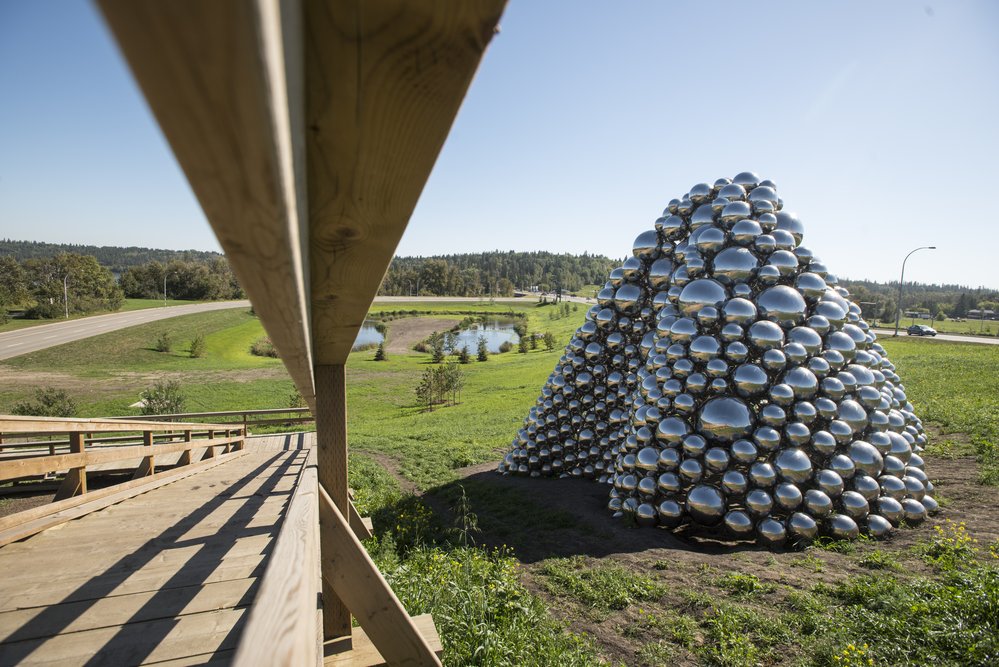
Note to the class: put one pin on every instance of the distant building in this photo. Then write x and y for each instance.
(977, 314)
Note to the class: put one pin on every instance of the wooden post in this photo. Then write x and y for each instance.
(226, 448)
(148, 465)
(185, 456)
(210, 449)
(75, 483)
(331, 446)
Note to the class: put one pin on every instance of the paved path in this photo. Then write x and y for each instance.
(168, 575)
(32, 339)
(884, 334)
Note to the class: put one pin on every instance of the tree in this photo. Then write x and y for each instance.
(163, 398)
(463, 356)
(380, 352)
(534, 341)
(549, 341)
(89, 285)
(523, 345)
(425, 393)
(13, 283)
(164, 343)
(436, 341)
(483, 349)
(454, 380)
(46, 402)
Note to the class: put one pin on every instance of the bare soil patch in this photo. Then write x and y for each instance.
(406, 332)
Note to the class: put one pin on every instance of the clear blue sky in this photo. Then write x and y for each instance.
(877, 121)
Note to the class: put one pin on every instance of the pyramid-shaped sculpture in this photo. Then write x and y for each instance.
(724, 379)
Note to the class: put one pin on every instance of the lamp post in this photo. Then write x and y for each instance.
(901, 280)
(65, 293)
(165, 273)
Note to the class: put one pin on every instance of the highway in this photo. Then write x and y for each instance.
(32, 339)
(953, 338)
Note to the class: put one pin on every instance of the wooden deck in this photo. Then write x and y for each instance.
(165, 577)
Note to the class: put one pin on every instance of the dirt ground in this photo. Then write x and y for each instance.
(406, 332)
(545, 518)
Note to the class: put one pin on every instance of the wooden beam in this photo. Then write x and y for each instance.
(331, 450)
(363, 653)
(24, 425)
(75, 482)
(385, 79)
(356, 580)
(361, 525)
(283, 625)
(148, 465)
(224, 81)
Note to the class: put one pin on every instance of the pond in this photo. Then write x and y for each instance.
(496, 332)
(368, 335)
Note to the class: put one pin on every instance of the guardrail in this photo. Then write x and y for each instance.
(247, 418)
(135, 448)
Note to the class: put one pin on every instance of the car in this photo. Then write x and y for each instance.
(921, 330)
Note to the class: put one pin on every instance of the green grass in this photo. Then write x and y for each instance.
(955, 386)
(601, 585)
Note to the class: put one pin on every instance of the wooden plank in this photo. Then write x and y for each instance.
(282, 627)
(385, 79)
(357, 581)
(29, 522)
(21, 425)
(116, 610)
(226, 91)
(133, 644)
(365, 654)
(361, 526)
(331, 449)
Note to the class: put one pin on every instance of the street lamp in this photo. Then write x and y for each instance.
(901, 280)
(165, 274)
(65, 293)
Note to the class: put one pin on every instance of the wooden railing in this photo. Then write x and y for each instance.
(64, 450)
(285, 623)
(247, 418)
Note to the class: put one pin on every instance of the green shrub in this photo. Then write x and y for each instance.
(163, 398)
(262, 347)
(380, 352)
(505, 346)
(197, 348)
(164, 343)
(46, 402)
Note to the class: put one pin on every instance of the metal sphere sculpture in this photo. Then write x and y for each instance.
(724, 379)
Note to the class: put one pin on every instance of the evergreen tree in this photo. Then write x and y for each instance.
(380, 352)
(522, 347)
(483, 349)
(463, 356)
(549, 341)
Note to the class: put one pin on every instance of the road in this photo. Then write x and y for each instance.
(953, 338)
(32, 339)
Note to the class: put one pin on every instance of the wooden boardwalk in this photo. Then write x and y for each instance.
(165, 577)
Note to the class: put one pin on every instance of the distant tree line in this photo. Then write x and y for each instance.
(113, 257)
(210, 280)
(493, 273)
(49, 287)
(879, 300)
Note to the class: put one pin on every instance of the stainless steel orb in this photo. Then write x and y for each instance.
(794, 465)
(878, 526)
(699, 293)
(843, 527)
(670, 513)
(766, 335)
(802, 526)
(725, 419)
(706, 504)
(771, 533)
(738, 523)
(783, 305)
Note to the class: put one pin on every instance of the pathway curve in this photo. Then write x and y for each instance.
(32, 339)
